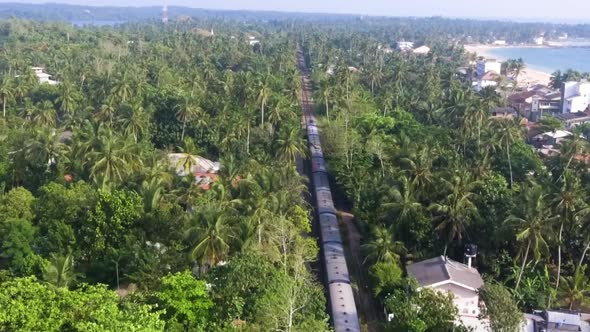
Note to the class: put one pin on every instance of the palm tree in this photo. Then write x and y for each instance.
(506, 134)
(6, 92)
(112, 160)
(457, 209)
(290, 144)
(574, 291)
(45, 148)
(382, 247)
(46, 114)
(210, 234)
(567, 203)
(532, 220)
(402, 201)
(571, 147)
(264, 93)
(135, 123)
(59, 271)
(187, 111)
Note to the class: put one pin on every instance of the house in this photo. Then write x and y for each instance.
(550, 138)
(204, 170)
(503, 113)
(484, 66)
(555, 321)
(499, 42)
(488, 79)
(536, 101)
(422, 50)
(405, 46)
(43, 77)
(539, 40)
(575, 96)
(572, 120)
(463, 281)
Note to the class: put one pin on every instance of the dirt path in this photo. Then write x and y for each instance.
(365, 304)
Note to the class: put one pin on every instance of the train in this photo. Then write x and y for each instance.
(342, 307)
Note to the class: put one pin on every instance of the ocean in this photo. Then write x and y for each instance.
(546, 59)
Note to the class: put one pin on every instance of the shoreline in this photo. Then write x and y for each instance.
(530, 76)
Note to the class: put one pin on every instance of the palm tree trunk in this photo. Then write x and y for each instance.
(263, 114)
(4, 106)
(248, 140)
(327, 110)
(559, 255)
(526, 256)
(509, 164)
(445, 251)
(584, 254)
(183, 129)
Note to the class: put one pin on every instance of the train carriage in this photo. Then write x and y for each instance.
(318, 164)
(344, 314)
(320, 181)
(324, 202)
(336, 269)
(329, 228)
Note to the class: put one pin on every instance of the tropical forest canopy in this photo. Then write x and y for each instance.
(91, 204)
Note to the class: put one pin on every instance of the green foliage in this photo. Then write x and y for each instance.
(385, 277)
(18, 204)
(186, 302)
(31, 306)
(499, 307)
(425, 310)
(17, 237)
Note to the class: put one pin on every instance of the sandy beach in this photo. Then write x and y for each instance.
(529, 76)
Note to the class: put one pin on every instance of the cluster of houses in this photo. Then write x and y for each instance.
(464, 281)
(570, 104)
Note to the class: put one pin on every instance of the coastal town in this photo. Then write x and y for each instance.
(178, 169)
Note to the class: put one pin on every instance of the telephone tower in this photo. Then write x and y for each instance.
(165, 12)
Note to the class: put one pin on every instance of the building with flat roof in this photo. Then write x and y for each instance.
(575, 97)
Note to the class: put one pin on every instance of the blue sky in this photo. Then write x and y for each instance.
(540, 9)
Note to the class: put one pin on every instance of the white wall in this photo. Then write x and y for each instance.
(466, 301)
(485, 66)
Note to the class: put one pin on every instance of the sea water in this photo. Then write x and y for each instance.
(547, 59)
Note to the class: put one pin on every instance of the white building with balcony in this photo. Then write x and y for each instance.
(575, 97)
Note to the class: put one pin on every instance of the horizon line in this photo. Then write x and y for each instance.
(516, 19)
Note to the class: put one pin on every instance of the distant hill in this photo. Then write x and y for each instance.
(64, 12)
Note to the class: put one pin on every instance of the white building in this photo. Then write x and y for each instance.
(446, 275)
(539, 40)
(499, 42)
(484, 66)
(422, 50)
(488, 79)
(253, 41)
(575, 97)
(405, 46)
(43, 77)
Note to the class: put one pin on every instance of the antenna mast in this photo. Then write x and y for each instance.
(165, 12)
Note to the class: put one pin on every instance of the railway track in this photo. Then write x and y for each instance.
(341, 303)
